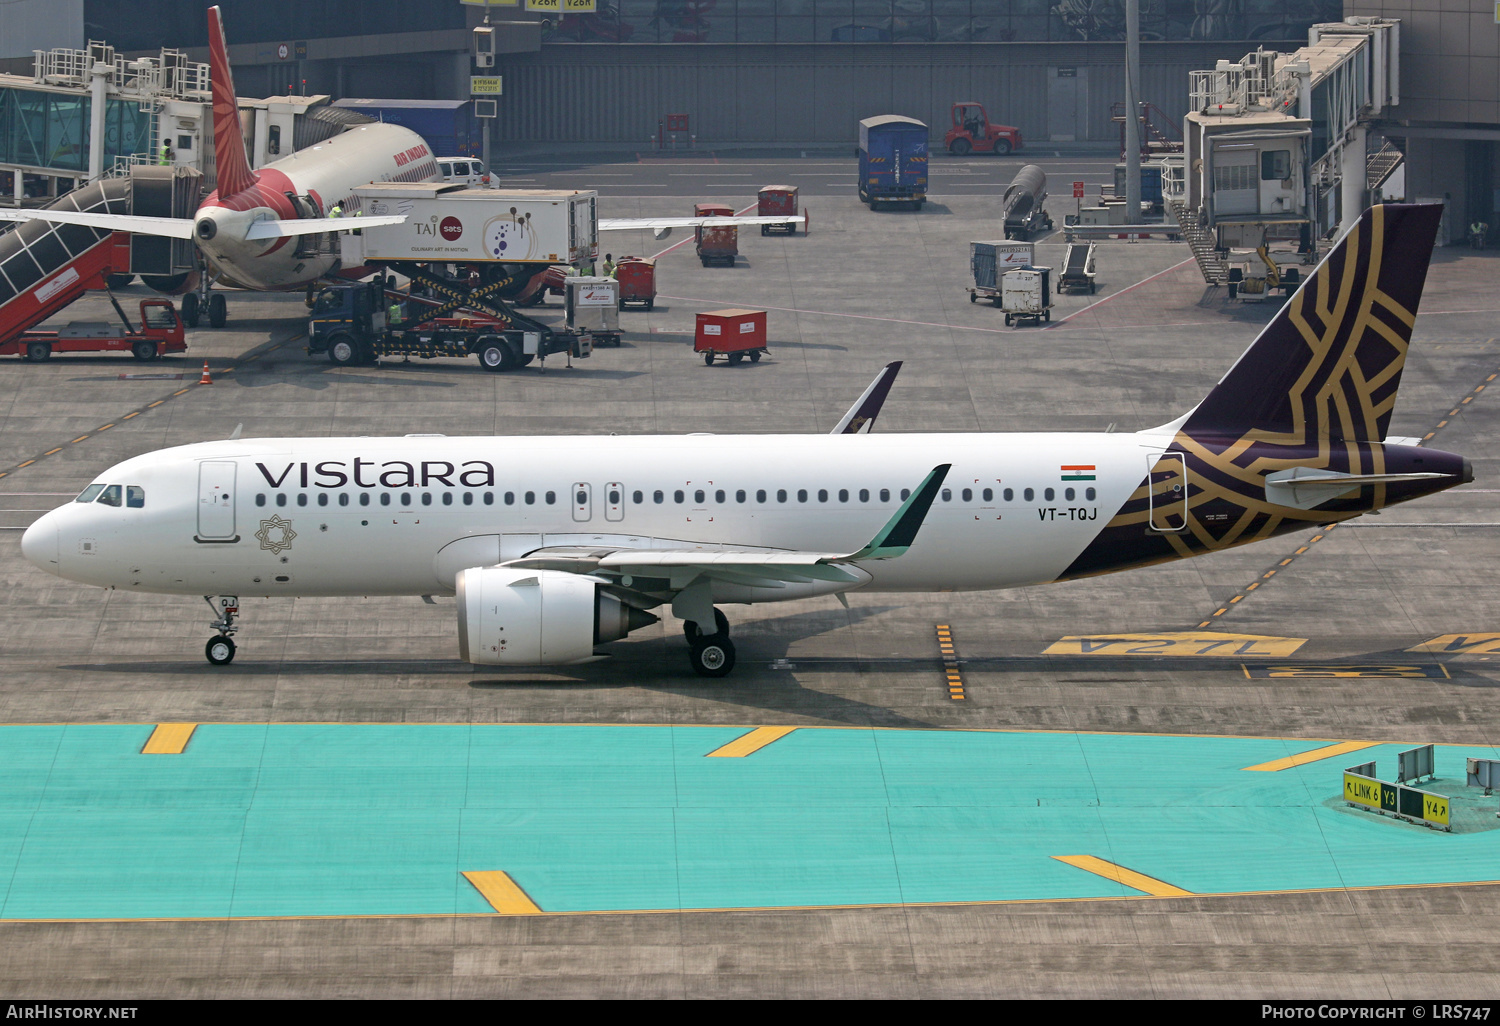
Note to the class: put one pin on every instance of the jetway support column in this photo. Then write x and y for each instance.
(99, 74)
(1353, 198)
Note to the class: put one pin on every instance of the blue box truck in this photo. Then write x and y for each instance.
(449, 127)
(892, 161)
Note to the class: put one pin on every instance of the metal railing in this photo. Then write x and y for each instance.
(169, 76)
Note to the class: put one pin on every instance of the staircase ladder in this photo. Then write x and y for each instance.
(1202, 242)
(1380, 164)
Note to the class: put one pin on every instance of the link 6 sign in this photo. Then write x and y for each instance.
(1396, 800)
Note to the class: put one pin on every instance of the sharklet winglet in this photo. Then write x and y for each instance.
(900, 531)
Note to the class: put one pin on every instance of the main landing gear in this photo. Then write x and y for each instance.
(220, 650)
(711, 655)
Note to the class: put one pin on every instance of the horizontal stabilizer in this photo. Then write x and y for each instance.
(270, 229)
(172, 227)
(1307, 487)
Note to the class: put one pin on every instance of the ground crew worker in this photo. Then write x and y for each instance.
(166, 154)
(393, 315)
(609, 265)
(337, 211)
(358, 231)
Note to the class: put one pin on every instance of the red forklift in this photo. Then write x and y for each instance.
(972, 132)
(716, 244)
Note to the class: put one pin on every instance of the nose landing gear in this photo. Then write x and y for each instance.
(220, 650)
(711, 655)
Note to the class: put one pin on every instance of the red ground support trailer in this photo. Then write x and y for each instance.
(637, 278)
(777, 200)
(160, 333)
(715, 243)
(735, 334)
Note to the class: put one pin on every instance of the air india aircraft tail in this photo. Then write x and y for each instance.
(234, 174)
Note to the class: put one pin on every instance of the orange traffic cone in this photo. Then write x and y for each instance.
(205, 380)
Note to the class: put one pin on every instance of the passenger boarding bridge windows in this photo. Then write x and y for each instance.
(1275, 165)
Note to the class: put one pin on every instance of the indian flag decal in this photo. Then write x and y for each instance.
(1078, 473)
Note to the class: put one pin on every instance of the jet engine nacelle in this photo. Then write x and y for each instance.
(537, 617)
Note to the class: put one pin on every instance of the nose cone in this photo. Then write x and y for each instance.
(39, 544)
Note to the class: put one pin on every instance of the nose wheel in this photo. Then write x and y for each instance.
(711, 655)
(220, 651)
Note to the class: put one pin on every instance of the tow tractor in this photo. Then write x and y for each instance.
(160, 333)
(350, 323)
(973, 132)
(1254, 287)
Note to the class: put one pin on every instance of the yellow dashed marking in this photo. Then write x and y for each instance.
(169, 738)
(133, 413)
(503, 894)
(82, 438)
(157, 403)
(1128, 877)
(26, 464)
(1316, 755)
(49, 452)
(747, 744)
(950, 662)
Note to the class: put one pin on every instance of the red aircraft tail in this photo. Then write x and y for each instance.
(233, 168)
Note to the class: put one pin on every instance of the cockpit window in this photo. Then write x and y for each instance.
(110, 496)
(135, 496)
(90, 493)
(326, 302)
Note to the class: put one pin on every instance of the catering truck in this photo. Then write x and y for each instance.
(892, 161)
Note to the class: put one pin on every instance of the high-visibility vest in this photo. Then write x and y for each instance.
(609, 268)
(166, 155)
(337, 211)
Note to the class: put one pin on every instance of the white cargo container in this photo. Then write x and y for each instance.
(1025, 293)
(451, 223)
(592, 304)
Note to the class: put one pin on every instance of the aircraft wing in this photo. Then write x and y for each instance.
(174, 227)
(756, 566)
(662, 226)
(270, 229)
(860, 419)
(620, 224)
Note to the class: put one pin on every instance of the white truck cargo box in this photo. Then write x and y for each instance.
(451, 223)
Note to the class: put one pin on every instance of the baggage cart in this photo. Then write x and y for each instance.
(716, 244)
(1026, 294)
(989, 260)
(1077, 273)
(777, 200)
(734, 334)
(637, 278)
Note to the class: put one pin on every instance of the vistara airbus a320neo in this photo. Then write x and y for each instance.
(557, 545)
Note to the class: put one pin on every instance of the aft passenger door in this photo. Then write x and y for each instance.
(216, 501)
(1167, 491)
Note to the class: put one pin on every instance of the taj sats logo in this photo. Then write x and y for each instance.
(451, 228)
(275, 535)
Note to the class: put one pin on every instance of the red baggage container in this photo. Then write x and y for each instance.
(716, 244)
(735, 334)
(774, 200)
(637, 278)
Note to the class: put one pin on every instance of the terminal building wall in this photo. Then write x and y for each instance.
(816, 94)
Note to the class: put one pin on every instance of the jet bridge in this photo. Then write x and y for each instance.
(1276, 143)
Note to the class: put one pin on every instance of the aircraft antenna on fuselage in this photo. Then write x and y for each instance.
(233, 168)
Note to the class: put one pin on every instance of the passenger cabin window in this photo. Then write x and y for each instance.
(1009, 494)
(322, 498)
(135, 496)
(364, 498)
(1049, 495)
(90, 493)
(967, 494)
(1089, 494)
(760, 495)
(551, 498)
(678, 496)
(781, 495)
(1028, 494)
(281, 498)
(947, 494)
(864, 495)
(510, 498)
(110, 496)
(801, 494)
(530, 498)
(822, 494)
(905, 494)
(988, 495)
(739, 496)
(698, 496)
(885, 495)
(260, 500)
(658, 497)
(719, 495)
(843, 495)
(302, 498)
(1068, 494)
(638, 497)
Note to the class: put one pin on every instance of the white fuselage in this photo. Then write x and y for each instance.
(328, 172)
(401, 516)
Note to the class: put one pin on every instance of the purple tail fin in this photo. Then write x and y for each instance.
(1328, 366)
